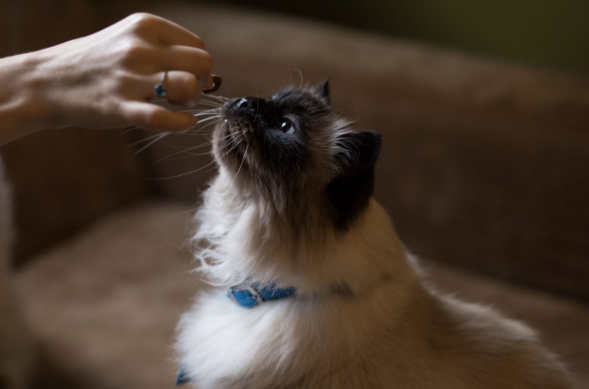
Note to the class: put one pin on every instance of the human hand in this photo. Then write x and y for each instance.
(107, 79)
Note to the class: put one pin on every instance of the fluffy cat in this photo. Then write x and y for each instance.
(291, 210)
(15, 344)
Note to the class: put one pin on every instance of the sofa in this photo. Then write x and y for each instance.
(484, 170)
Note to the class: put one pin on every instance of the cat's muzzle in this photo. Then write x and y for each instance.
(242, 113)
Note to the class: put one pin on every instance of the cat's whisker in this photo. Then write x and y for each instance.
(231, 149)
(300, 76)
(206, 114)
(218, 114)
(201, 168)
(209, 118)
(155, 138)
(180, 152)
(203, 127)
(212, 102)
(214, 97)
(153, 141)
(242, 161)
(147, 139)
(206, 108)
(191, 155)
(202, 145)
(211, 109)
(131, 129)
(217, 111)
(220, 98)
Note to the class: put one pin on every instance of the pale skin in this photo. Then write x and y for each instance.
(106, 80)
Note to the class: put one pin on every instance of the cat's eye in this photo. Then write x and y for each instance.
(287, 126)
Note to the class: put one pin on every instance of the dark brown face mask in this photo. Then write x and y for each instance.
(217, 81)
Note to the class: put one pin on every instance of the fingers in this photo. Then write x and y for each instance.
(164, 45)
(188, 59)
(156, 45)
(181, 87)
(153, 117)
(162, 30)
(172, 34)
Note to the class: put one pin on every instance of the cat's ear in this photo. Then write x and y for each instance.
(359, 152)
(324, 91)
(351, 190)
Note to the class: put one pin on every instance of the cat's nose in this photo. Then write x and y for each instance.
(247, 103)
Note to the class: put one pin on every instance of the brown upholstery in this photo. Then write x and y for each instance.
(65, 179)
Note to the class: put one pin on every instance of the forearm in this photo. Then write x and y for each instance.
(22, 108)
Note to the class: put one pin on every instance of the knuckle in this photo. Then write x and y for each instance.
(142, 22)
(122, 80)
(135, 50)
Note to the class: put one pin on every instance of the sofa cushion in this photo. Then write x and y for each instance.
(104, 305)
(63, 180)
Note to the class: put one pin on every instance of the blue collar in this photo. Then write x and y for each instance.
(251, 294)
(248, 295)
(182, 378)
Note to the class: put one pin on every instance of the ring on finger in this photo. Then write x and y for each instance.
(160, 89)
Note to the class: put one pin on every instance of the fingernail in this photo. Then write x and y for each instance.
(208, 83)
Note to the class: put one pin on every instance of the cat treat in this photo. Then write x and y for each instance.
(217, 81)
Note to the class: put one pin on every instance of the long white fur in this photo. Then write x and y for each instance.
(391, 331)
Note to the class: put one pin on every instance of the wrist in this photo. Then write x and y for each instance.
(23, 107)
(36, 86)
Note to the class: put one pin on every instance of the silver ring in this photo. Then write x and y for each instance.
(160, 89)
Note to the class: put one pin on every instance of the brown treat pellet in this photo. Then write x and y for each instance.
(217, 81)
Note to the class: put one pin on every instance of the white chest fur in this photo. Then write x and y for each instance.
(390, 331)
(280, 343)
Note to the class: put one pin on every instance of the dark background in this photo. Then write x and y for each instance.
(545, 33)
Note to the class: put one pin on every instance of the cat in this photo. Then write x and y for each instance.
(312, 287)
(16, 352)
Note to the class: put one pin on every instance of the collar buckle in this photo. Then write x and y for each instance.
(249, 294)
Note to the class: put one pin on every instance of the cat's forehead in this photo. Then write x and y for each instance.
(293, 97)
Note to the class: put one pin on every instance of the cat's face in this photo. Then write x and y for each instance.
(294, 152)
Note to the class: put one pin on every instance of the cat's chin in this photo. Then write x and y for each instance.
(227, 150)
